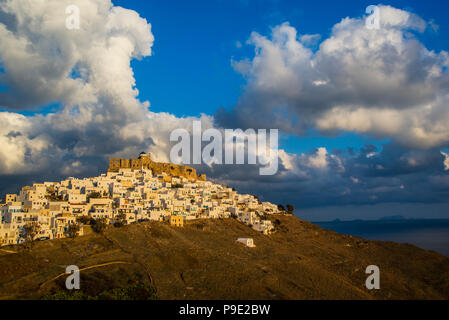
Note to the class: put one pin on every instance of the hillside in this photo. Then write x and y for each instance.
(203, 261)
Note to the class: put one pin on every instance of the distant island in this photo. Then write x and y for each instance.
(392, 218)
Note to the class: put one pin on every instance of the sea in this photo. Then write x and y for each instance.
(427, 234)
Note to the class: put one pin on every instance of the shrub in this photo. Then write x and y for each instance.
(100, 225)
(73, 230)
(139, 291)
(120, 220)
(94, 195)
(29, 232)
(84, 219)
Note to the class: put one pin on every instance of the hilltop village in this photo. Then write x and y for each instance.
(132, 190)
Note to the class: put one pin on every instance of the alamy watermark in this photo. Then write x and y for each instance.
(373, 281)
(189, 149)
(73, 20)
(73, 280)
(372, 22)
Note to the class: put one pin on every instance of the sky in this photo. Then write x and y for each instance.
(194, 61)
(362, 113)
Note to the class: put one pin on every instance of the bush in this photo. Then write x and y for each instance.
(29, 233)
(84, 219)
(139, 291)
(94, 195)
(54, 197)
(120, 220)
(65, 295)
(100, 225)
(73, 230)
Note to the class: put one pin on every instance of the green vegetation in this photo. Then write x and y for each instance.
(290, 208)
(84, 219)
(139, 291)
(94, 195)
(53, 196)
(99, 225)
(73, 230)
(120, 220)
(29, 233)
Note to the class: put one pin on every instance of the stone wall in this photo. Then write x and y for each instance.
(144, 162)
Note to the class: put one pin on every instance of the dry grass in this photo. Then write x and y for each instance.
(204, 261)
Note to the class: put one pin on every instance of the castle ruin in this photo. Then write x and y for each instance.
(144, 162)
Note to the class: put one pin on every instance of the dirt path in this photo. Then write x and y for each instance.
(8, 251)
(135, 257)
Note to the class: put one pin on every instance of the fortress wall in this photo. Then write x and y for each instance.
(144, 161)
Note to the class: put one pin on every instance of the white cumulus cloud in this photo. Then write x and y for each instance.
(87, 72)
(384, 83)
(446, 161)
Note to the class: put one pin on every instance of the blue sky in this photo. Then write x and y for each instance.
(195, 41)
(190, 72)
